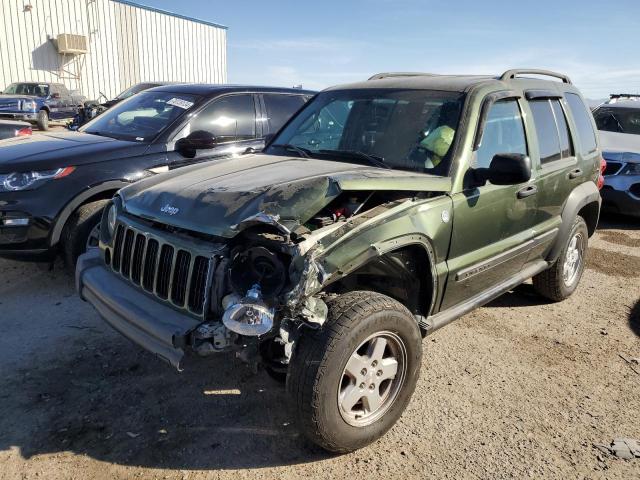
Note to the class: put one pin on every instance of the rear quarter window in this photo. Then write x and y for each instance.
(582, 117)
(280, 108)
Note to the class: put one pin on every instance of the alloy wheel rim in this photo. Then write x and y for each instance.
(372, 379)
(573, 260)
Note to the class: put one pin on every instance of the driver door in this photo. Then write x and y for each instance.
(492, 224)
(68, 107)
(56, 103)
(231, 120)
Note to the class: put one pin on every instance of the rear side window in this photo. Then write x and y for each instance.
(503, 133)
(551, 130)
(582, 117)
(280, 108)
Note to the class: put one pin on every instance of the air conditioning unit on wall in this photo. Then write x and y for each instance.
(68, 43)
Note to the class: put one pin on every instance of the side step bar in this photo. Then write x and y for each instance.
(439, 320)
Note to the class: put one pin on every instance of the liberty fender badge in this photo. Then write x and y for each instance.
(446, 216)
(169, 210)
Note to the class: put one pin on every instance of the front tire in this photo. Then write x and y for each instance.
(43, 120)
(352, 379)
(82, 230)
(562, 278)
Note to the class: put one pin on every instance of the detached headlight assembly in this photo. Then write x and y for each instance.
(249, 316)
(632, 169)
(21, 181)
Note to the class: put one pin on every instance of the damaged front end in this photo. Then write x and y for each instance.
(250, 282)
(278, 277)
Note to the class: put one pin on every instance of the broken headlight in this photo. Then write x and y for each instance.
(257, 265)
(249, 316)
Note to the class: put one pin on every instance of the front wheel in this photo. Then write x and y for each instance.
(562, 278)
(82, 231)
(352, 379)
(43, 120)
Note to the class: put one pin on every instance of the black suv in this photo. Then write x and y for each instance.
(54, 186)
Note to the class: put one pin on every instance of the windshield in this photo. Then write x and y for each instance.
(620, 120)
(33, 89)
(137, 88)
(401, 129)
(141, 117)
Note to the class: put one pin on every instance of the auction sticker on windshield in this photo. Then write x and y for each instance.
(179, 102)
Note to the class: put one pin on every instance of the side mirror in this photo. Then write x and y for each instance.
(198, 140)
(55, 96)
(506, 169)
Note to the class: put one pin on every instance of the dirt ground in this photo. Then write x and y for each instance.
(518, 389)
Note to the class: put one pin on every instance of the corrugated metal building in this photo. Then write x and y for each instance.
(125, 43)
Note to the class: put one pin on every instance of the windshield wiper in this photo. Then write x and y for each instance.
(303, 152)
(372, 159)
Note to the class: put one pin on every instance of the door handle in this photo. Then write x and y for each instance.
(527, 191)
(575, 173)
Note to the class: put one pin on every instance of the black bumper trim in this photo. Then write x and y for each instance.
(155, 327)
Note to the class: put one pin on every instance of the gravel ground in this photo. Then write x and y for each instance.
(518, 389)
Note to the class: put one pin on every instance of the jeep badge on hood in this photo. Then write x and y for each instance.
(169, 210)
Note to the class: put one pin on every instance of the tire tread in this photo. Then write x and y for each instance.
(305, 375)
(74, 234)
(549, 283)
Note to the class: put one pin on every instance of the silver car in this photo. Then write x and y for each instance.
(618, 122)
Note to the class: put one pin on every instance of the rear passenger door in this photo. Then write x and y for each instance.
(278, 108)
(554, 162)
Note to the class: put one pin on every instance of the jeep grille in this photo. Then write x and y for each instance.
(172, 272)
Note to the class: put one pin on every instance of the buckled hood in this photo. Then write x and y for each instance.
(220, 198)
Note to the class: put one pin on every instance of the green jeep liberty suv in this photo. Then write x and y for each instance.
(379, 213)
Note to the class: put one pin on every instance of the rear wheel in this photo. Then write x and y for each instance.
(43, 120)
(352, 379)
(562, 278)
(82, 231)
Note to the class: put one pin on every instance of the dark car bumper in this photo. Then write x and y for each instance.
(24, 116)
(29, 218)
(621, 194)
(22, 235)
(155, 327)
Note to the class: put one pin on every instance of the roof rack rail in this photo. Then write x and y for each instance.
(379, 76)
(512, 74)
(624, 95)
